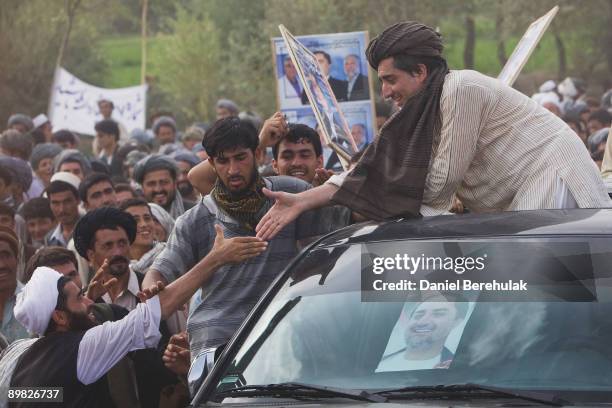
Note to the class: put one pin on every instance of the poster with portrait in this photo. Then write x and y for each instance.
(331, 71)
(359, 117)
(426, 335)
(525, 47)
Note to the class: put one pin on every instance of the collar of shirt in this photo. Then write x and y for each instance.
(108, 159)
(58, 235)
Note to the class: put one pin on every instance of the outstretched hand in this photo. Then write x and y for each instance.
(285, 209)
(99, 285)
(237, 249)
(147, 293)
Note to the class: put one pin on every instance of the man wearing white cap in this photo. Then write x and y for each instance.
(75, 353)
(42, 122)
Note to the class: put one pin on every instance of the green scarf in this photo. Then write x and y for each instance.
(245, 206)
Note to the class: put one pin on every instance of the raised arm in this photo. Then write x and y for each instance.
(202, 177)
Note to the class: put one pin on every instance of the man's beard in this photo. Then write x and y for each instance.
(185, 188)
(240, 194)
(118, 265)
(81, 321)
(168, 198)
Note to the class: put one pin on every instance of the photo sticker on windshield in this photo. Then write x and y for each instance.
(425, 335)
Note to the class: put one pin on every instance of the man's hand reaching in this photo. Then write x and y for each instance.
(177, 356)
(147, 293)
(237, 249)
(285, 209)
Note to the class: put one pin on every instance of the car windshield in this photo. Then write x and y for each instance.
(319, 329)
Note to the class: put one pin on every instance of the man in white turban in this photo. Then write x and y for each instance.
(75, 352)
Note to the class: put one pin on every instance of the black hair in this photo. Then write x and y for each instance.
(108, 126)
(49, 257)
(38, 136)
(101, 101)
(72, 160)
(92, 180)
(326, 55)
(65, 136)
(98, 166)
(575, 119)
(134, 202)
(6, 176)
(602, 116)
(59, 186)
(37, 207)
(228, 134)
(458, 301)
(410, 64)
(120, 187)
(298, 132)
(6, 210)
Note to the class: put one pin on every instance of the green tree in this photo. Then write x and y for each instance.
(187, 68)
(31, 37)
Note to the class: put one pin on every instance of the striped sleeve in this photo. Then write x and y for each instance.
(464, 110)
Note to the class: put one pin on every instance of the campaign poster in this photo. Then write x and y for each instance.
(328, 76)
(359, 117)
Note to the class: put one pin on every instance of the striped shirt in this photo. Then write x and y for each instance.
(235, 288)
(498, 150)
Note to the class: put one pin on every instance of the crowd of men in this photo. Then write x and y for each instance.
(168, 235)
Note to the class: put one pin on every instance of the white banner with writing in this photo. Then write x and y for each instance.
(74, 104)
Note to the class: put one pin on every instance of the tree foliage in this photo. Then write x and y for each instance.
(29, 45)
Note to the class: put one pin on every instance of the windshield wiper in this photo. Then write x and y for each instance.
(449, 391)
(298, 390)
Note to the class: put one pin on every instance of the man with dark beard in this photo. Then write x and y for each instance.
(186, 161)
(236, 203)
(103, 237)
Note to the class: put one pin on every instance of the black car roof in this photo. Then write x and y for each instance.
(517, 223)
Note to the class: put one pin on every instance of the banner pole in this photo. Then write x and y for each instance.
(143, 63)
(70, 11)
